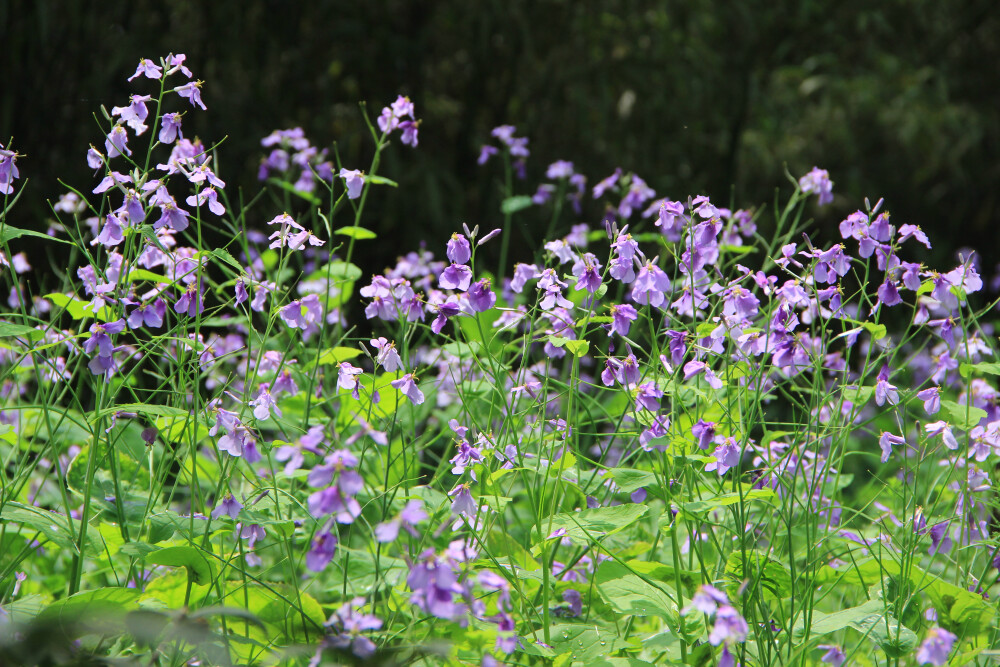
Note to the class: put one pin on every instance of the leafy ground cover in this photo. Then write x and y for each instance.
(667, 440)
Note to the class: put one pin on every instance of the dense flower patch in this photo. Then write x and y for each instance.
(668, 439)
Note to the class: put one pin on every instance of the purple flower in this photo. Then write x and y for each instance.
(648, 397)
(559, 169)
(207, 195)
(349, 623)
(522, 274)
(117, 142)
(347, 376)
(354, 180)
(321, 553)
(727, 455)
(936, 646)
(458, 249)
(148, 314)
(886, 442)
(833, 656)
(485, 153)
(111, 232)
(147, 68)
(943, 429)
(587, 271)
(192, 91)
(651, 285)
(883, 390)
(455, 277)
(481, 297)
(622, 316)
(408, 386)
(171, 128)
(729, 626)
(229, 506)
(135, 113)
(704, 433)
(190, 301)
(707, 599)
(412, 514)
(387, 356)
(818, 181)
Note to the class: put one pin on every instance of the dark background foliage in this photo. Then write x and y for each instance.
(897, 99)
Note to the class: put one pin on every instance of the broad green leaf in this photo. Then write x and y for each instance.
(51, 525)
(294, 614)
(963, 416)
(340, 271)
(77, 309)
(629, 479)
(9, 330)
(336, 355)
(514, 204)
(771, 574)
(586, 643)
(578, 348)
(628, 593)
(100, 604)
(987, 367)
(199, 568)
(593, 524)
(727, 499)
(358, 233)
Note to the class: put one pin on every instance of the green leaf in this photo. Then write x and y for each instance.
(772, 575)
(872, 620)
(8, 233)
(585, 643)
(375, 179)
(629, 479)
(143, 409)
(100, 604)
(514, 204)
(628, 593)
(142, 274)
(358, 233)
(53, 526)
(226, 257)
(987, 367)
(737, 249)
(341, 271)
(336, 355)
(727, 499)
(199, 568)
(9, 330)
(578, 348)
(595, 523)
(288, 187)
(963, 416)
(76, 308)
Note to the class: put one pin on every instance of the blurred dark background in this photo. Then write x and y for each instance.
(899, 99)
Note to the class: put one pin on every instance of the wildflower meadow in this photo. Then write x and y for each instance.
(679, 433)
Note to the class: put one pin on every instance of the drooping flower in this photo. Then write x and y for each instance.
(387, 357)
(408, 386)
(884, 391)
(886, 441)
(354, 180)
(192, 91)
